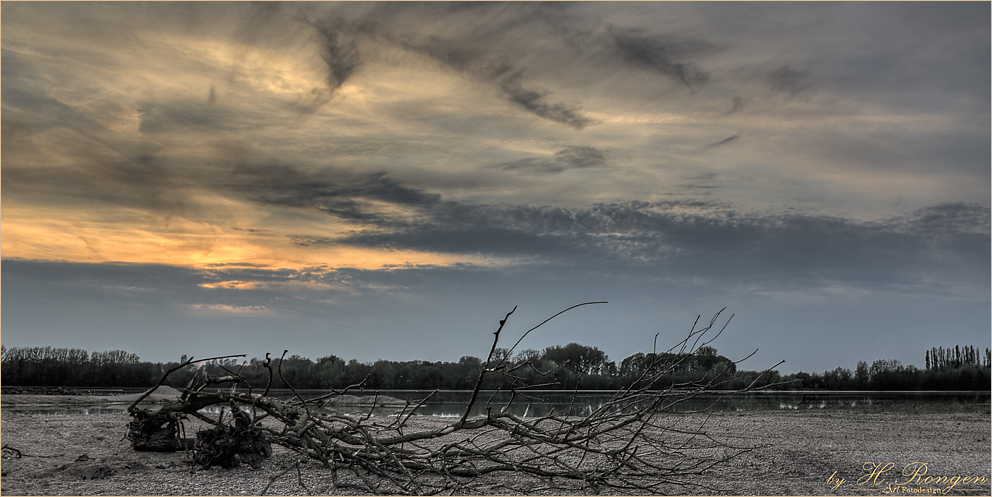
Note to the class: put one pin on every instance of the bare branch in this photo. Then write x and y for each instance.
(482, 372)
(169, 372)
(545, 321)
(637, 441)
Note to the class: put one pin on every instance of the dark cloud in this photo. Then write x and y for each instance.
(536, 102)
(478, 50)
(347, 196)
(312, 241)
(662, 54)
(681, 240)
(724, 141)
(957, 231)
(484, 240)
(571, 157)
(581, 157)
(702, 181)
(956, 217)
(507, 78)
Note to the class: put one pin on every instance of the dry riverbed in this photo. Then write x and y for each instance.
(815, 452)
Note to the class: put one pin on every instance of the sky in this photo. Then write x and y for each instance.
(388, 180)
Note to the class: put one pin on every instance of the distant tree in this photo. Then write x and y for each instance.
(838, 379)
(527, 355)
(331, 372)
(706, 350)
(579, 359)
(631, 364)
(501, 354)
(465, 372)
(609, 369)
(861, 375)
(798, 380)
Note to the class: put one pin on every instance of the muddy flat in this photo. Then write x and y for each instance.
(816, 452)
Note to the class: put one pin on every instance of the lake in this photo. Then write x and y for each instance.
(540, 403)
(451, 403)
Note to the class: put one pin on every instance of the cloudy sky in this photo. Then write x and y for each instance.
(387, 180)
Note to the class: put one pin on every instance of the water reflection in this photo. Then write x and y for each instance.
(53, 410)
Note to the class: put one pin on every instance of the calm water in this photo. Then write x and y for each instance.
(451, 403)
(540, 403)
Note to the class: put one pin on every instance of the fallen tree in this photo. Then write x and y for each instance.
(630, 444)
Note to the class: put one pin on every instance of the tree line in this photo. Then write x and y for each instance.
(957, 368)
(557, 367)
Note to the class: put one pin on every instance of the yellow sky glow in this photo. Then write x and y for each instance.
(76, 237)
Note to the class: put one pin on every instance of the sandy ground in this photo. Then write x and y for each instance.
(797, 453)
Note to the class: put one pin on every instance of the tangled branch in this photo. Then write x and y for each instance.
(632, 443)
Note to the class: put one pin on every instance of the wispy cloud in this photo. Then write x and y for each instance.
(724, 141)
(663, 54)
(475, 60)
(350, 197)
(232, 310)
(341, 56)
(571, 157)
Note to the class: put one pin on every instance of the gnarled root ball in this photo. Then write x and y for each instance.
(230, 445)
(156, 431)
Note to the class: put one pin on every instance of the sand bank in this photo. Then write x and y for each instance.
(797, 453)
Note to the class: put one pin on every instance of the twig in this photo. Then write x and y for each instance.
(419, 404)
(268, 366)
(756, 378)
(273, 478)
(297, 394)
(482, 372)
(509, 352)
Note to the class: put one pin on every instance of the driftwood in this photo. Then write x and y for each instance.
(631, 444)
(229, 445)
(161, 430)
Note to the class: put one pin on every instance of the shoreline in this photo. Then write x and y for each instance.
(795, 453)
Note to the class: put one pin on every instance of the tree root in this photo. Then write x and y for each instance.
(229, 445)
